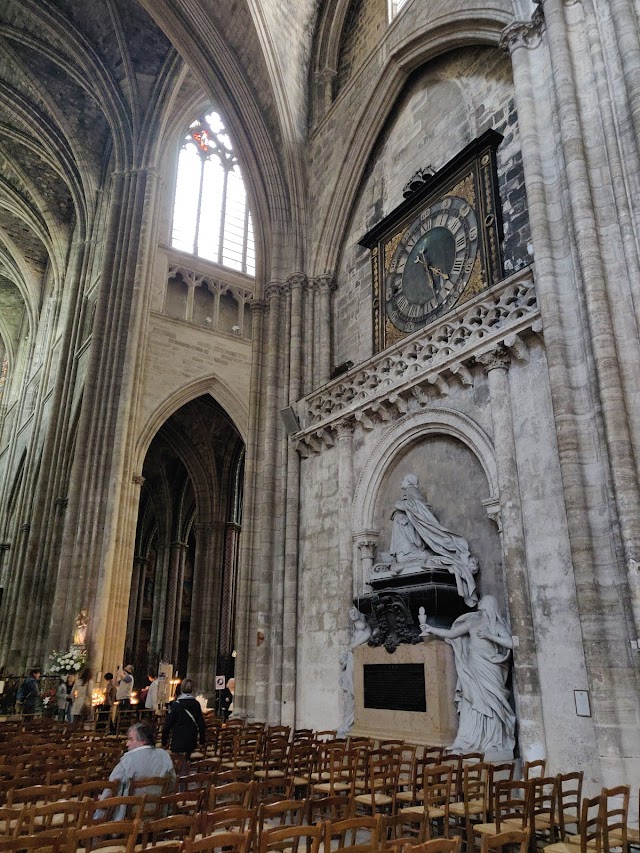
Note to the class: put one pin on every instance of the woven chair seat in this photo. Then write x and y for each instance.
(418, 811)
(379, 799)
(473, 807)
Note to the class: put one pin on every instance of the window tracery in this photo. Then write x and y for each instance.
(211, 217)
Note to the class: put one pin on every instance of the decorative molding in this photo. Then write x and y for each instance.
(408, 376)
(138, 480)
(526, 34)
(496, 359)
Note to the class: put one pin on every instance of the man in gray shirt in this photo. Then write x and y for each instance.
(141, 761)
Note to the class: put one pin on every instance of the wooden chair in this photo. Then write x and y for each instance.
(182, 802)
(568, 800)
(513, 838)
(616, 837)
(436, 799)
(229, 842)
(348, 833)
(223, 777)
(542, 810)
(614, 816)
(589, 836)
(412, 795)
(275, 758)
(302, 758)
(511, 804)
(436, 845)
(119, 836)
(472, 808)
(279, 732)
(325, 735)
(92, 790)
(499, 772)
(12, 821)
(289, 839)
(338, 775)
(382, 785)
(34, 795)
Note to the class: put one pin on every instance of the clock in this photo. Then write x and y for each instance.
(432, 263)
(440, 247)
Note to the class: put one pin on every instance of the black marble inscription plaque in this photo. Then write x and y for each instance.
(394, 686)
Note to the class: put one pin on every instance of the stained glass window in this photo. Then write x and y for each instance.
(211, 216)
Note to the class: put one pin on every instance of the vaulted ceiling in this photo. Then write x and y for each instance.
(80, 84)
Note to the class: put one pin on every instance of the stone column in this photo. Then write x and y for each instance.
(174, 599)
(326, 286)
(135, 605)
(584, 467)
(367, 543)
(345, 504)
(529, 704)
(247, 595)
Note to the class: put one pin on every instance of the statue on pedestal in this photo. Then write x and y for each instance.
(481, 645)
(361, 632)
(80, 630)
(348, 698)
(419, 542)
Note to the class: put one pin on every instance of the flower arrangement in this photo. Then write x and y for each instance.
(72, 661)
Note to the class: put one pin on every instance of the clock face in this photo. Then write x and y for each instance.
(431, 264)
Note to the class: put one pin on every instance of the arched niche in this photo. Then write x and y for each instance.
(455, 463)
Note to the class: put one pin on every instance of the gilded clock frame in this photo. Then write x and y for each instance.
(470, 175)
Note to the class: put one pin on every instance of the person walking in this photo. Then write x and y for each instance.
(29, 692)
(124, 687)
(64, 697)
(184, 723)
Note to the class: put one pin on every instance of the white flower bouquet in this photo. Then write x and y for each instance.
(72, 661)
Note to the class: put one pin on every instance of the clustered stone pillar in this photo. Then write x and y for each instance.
(292, 355)
(514, 558)
(569, 196)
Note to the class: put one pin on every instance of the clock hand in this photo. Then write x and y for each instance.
(438, 271)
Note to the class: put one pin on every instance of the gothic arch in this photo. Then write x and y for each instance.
(432, 39)
(230, 402)
(400, 436)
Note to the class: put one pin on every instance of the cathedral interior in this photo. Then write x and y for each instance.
(325, 305)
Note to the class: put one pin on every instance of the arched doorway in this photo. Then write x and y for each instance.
(182, 602)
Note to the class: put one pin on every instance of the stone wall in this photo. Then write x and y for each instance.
(364, 26)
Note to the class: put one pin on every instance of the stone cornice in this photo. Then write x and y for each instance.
(407, 376)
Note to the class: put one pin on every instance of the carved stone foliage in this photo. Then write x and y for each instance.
(404, 378)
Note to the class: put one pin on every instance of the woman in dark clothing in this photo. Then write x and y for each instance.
(185, 722)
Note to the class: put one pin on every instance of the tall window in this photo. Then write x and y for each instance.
(211, 217)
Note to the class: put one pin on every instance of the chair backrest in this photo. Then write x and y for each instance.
(34, 794)
(383, 777)
(335, 807)
(348, 833)
(279, 731)
(274, 789)
(178, 826)
(590, 825)
(499, 772)
(436, 845)
(118, 835)
(286, 812)
(511, 801)
(230, 819)
(289, 839)
(506, 839)
(112, 808)
(43, 842)
(229, 842)
(232, 794)
(65, 814)
(152, 788)
(534, 769)
(475, 789)
(569, 797)
(302, 759)
(437, 785)
(614, 816)
(542, 799)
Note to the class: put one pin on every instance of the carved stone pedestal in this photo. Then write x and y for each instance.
(437, 725)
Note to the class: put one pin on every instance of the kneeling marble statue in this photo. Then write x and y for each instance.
(481, 645)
